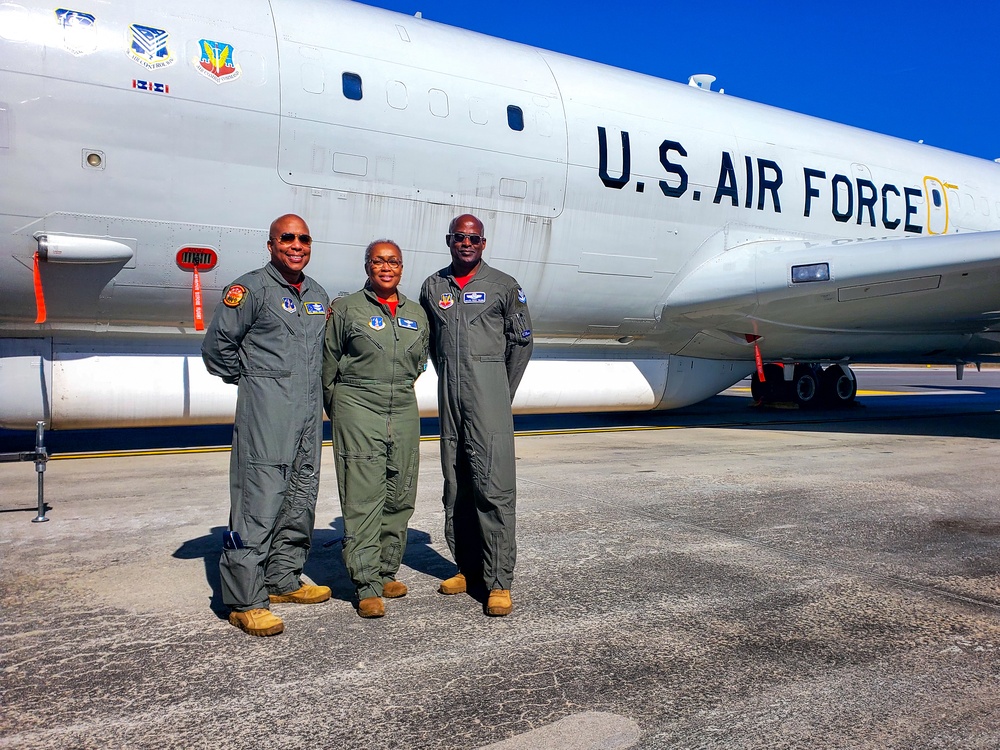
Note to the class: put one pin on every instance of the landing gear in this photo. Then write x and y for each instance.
(810, 386)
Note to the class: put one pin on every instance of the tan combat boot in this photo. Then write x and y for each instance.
(499, 603)
(257, 622)
(394, 589)
(305, 594)
(453, 585)
(371, 606)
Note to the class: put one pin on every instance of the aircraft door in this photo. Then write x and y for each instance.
(937, 205)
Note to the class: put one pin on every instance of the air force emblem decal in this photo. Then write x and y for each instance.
(446, 301)
(377, 323)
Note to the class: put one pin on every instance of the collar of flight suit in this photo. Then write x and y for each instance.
(484, 272)
(276, 275)
(373, 298)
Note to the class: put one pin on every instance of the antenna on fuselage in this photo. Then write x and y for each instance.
(703, 81)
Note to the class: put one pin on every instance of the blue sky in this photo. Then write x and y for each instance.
(915, 70)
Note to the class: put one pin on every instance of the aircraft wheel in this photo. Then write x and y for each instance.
(839, 388)
(773, 388)
(805, 385)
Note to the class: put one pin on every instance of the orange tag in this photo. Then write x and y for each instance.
(39, 295)
(199, 313)
(759, 361)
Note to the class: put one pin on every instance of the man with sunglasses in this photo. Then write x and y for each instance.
(266, 337)
(480, 343)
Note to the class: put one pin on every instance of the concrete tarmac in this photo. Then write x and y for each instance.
(801, 581)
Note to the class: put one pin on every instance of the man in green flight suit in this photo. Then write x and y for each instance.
(376, 346)
(480, 343)
(266, 336)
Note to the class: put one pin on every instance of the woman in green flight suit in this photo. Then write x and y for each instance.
(376, 346)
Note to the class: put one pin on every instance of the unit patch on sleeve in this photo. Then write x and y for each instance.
(474, 298)
(234, 296)
(407, 323)
(315, 308)
(522, 297)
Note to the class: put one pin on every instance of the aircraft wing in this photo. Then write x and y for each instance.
(920, 285)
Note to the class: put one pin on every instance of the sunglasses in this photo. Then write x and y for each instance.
(289, 237)
(460, 237)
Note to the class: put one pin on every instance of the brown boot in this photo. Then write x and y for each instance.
(453, 585)
(304, 594)
(394, 589)
(371, 606)
(499, 603)
(257, 622)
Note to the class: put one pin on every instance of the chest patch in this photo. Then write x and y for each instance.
(315, 308)
(406, 323)
(446, 301)
(288, 304)
(474, 298)
(377, 323)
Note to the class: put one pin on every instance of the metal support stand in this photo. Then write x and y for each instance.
(40, 456)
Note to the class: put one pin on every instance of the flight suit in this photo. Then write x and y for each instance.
(267, 338)
(370, 362)
(480, 344)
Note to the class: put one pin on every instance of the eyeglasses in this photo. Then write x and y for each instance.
(289, 237)
(460, 237)
(379, 262)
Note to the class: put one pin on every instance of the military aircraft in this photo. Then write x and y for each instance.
(670, 239)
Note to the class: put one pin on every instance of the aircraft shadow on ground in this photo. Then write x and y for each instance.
(324, 566)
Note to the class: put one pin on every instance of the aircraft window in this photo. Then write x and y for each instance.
(352, 86)
(437, 100)
(395, 94)
(515, 118)
(477, 111)
(937, 198)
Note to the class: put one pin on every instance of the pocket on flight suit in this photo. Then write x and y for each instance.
(263, 494)
(500, 464)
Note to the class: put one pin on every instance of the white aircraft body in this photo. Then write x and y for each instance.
(666, 235)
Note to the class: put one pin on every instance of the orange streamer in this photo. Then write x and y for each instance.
(39, 295)
(199, 313)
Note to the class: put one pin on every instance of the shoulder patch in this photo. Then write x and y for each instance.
(234, 296)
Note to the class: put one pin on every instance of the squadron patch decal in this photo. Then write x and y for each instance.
(79, 34)
(446, 301)
(288, 304)
(148, 47)
(217, 61)
(522, 297)
(377, 323)
(234, 296)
